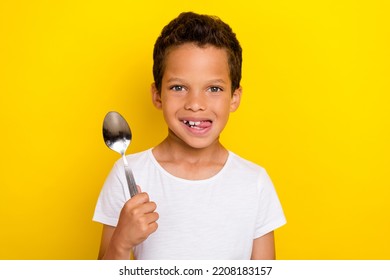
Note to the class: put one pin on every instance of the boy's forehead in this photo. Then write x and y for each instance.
(190, 51)
(190, 54)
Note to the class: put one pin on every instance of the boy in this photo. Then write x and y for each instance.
(200, 201)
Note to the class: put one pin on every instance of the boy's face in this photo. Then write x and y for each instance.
(196, 97)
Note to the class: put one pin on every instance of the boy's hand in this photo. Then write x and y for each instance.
(136, 222)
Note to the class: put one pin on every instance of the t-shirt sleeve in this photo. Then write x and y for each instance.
(111, 199)
(270, 215)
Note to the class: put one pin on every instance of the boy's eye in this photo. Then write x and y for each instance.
(177, 88)
(215, 89)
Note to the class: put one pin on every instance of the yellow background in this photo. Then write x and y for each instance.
(315, 114)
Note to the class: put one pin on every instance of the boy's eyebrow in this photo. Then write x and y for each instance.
(217, 81)
(174, 80)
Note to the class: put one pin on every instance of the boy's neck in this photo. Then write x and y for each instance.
(190, 163)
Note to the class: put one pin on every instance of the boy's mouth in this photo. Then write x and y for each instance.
(197, 124)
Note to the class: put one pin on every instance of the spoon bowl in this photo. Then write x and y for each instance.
(117, 136)
(116, 132)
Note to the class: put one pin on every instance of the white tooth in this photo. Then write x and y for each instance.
(192, 123)
(197, 123)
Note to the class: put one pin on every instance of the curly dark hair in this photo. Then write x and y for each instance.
(201, 30)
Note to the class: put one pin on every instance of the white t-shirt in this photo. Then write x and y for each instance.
(215, 218)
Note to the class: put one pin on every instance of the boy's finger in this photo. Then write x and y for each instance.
(148, 207)
(139, 198)
(152, 227)
(151, 217)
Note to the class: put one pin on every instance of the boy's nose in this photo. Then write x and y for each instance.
(195, 102)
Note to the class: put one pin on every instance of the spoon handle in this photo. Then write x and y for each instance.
(130, 181)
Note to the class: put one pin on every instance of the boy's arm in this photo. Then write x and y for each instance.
(264, 247)
(107, 233)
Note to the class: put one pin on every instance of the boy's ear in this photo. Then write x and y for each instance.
(236, 99)
(156, 96)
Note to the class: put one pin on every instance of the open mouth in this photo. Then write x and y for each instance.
(198, 124)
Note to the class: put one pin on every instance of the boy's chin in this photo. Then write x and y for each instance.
(201, 144)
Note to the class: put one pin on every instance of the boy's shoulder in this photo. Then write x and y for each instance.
(241, 164)
(246, 173)
(136, 158)
(139, 155)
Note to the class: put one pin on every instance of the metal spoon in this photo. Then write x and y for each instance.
(117, 136)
